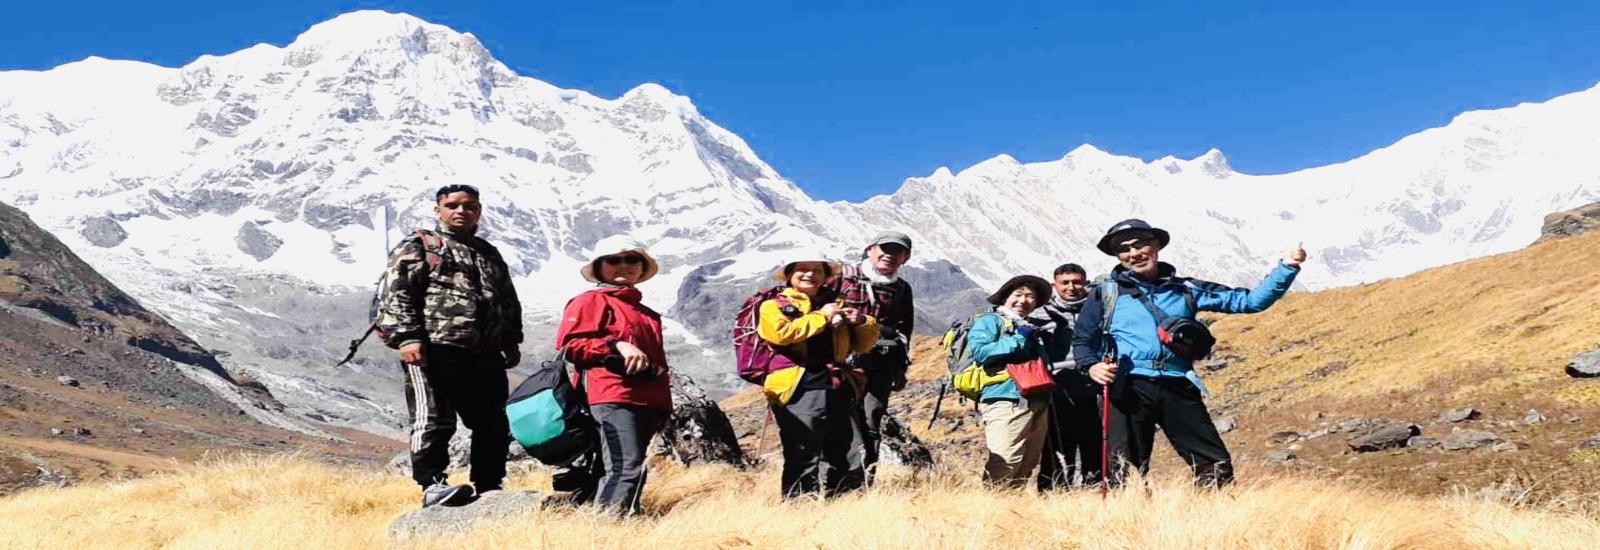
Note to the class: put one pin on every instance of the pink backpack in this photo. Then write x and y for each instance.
(753, 355)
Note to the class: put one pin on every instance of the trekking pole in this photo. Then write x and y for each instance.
(761, 440)
(943, 385)
(1105, 436)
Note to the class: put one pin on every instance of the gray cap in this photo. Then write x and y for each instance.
(891, 237)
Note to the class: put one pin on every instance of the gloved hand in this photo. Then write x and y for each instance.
(1025, 330)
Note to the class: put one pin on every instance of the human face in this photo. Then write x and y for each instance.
(1022, 300)
(887, 258)
(1139, 254)
(808, 277)
(623, 269)
(459, 211)
(1072, 286)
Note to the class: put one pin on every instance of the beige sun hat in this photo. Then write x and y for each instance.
(616, 245)
(834, 268)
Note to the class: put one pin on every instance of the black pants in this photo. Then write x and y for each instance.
(1175, 405)
(614, 475)
(1072, 450)
(874, 405)
(817, 429)
(455, 382)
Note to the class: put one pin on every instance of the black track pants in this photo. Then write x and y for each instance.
(456, 382)
(874, 405)
(1072, 452)
(613, 476)
(817, 429)
(1175, 405)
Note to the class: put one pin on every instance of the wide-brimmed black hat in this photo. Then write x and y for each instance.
(1040, 287)
(1133, 225)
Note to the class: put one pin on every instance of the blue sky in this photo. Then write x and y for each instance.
(848, 99)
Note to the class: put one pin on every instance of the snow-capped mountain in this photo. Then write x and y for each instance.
(235, 196)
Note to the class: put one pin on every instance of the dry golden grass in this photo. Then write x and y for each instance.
(1504, 325)
(287, 502)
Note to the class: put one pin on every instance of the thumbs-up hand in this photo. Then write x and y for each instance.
(1295, 256)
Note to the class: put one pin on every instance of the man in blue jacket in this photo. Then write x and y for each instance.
(1150, 384)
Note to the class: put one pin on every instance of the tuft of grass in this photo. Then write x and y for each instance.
(292, 502)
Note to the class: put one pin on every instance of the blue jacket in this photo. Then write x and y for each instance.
(994, 347)
(1139, 350)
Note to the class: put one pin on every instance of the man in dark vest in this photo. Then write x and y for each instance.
(874, 285)
(448, 306)
(1072, 450)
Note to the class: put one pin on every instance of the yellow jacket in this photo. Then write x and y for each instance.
(789, 336)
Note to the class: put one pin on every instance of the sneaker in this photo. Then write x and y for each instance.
(447, 495)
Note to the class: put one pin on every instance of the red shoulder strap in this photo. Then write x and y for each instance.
(432, 247)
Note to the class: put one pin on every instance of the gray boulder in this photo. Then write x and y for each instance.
(68, 381)
(1356, 425)
(256, 242)
(1591, 444)
(900, 446)
(1279, 456)
(1392, 436)
(1421, 442)
(496, 505)
(103, 232)
(1459, 415)
(1225, 424)
(1532, 417)
(1462, 440)
(1585, 365)
(699, 432)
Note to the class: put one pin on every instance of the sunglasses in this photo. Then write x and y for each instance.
(630, 259)
(1135, 245)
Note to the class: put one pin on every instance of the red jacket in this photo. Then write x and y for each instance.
(597, 319)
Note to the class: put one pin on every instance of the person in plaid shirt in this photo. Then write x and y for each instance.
(874, 285)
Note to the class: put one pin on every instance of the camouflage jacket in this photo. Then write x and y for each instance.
(462, 296)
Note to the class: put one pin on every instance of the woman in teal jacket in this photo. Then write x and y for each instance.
(1014, 425)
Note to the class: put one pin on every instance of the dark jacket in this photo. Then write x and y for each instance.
(459, 294)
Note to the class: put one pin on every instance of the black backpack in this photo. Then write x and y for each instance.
(549, 416)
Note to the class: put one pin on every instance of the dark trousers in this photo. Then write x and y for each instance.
(613, 475)
(1175, 405)
(874, 405)
(456, 382)
(1072, 451)
(817, 429)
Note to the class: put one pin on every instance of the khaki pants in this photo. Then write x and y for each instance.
(1015, 435)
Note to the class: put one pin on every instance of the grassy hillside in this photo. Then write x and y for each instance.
(291, 503)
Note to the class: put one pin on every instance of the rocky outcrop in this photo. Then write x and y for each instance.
(435, 520)
(103, 232)
(699, 432)
(900, 446)
(257, 242)
(1568, 223)
(1585, 365)
(1462, 440)
(1392, 436)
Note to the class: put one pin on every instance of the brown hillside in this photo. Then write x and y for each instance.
(92, 385)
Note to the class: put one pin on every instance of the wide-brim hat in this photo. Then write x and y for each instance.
(1132, 225)
(782, 273)
(618, 245)
(1039, 286)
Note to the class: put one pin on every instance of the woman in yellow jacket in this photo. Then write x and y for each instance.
(811, 390)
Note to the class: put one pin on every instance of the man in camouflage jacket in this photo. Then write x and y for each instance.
(448, 305)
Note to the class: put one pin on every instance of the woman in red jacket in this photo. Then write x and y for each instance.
(615, 341)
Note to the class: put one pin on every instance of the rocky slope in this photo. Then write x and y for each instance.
(94, 385)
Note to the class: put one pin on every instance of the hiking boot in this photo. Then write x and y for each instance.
(447, 495)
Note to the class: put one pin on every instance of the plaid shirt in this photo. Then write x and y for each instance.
(889, 303)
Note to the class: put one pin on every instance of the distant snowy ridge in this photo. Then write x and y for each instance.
(232, 195)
